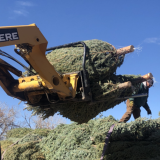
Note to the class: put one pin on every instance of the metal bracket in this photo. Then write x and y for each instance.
(134, 96)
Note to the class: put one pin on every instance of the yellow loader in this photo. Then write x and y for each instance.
(46, 85)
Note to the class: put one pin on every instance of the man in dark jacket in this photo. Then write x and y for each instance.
(134, 104)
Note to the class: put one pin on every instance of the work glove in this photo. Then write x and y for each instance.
(131, 103)
(149, 111)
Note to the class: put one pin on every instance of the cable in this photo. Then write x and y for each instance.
(2, 53)
(49, 99)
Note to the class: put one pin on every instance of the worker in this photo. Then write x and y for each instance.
(134, 104)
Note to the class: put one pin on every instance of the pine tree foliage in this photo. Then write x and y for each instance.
(137, 140)
(21, 144)
(101, 64)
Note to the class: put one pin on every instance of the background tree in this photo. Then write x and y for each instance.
(37, 122)
(7, 119)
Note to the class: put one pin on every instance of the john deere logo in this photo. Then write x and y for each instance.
(8, 34)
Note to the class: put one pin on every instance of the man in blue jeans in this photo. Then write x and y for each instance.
(134, 104)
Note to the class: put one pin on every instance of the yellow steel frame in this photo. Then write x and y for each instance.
(35, 83)
(47, 76)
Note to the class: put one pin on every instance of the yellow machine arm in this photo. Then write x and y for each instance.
(31, 45)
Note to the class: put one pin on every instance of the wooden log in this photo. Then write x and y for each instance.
(143, 78)
(148, 76)
(125, 85)
(125, 50)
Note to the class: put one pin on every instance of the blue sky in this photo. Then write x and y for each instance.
(119, 22)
